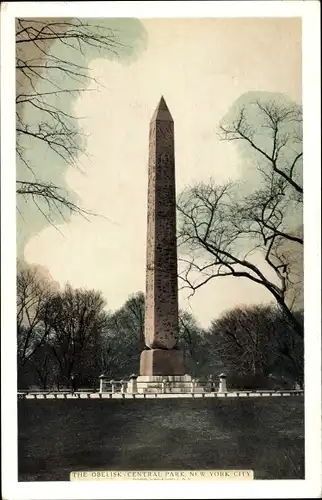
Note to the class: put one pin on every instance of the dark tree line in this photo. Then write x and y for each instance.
(258, 347)
(58, 331)
(69, 333)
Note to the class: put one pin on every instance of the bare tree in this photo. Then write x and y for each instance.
(199, 358)
(135, 305)
(75, 319)
(223, 232)
(48, 72)
(123, 338)
(43, 364)
(187, 332)
(257, 342)
(280, 156)
(287, 349)
(33, 294)
(242, 336)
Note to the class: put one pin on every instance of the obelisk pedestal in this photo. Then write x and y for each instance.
(162, 359)
(162, 362)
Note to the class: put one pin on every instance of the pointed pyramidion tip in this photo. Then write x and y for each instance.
(162, 112)
(162, 105)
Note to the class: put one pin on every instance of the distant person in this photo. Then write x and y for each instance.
(73, 383)
(211, 384)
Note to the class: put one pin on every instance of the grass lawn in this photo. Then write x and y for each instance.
(56, 437)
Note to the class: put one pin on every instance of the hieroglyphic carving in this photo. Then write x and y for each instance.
(161, 323)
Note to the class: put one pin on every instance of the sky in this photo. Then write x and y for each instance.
(201, 67)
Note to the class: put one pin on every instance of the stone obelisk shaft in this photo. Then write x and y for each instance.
(161, 312)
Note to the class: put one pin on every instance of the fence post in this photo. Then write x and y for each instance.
(102, 379)
(222, 383)
(193, 383)
(112, 386)
(164, 384)
(133, 386)
(123, 386)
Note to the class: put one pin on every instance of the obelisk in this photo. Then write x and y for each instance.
(161, 311)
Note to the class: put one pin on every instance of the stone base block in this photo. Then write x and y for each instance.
(175, 384)
(162, 362)
(168, 378)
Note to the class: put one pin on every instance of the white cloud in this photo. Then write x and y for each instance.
(201, 67)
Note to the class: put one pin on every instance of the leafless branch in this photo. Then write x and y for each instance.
(44, 77)
(275, 118)
(217, 237)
